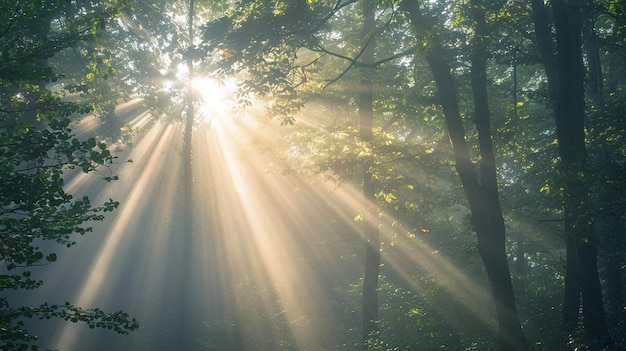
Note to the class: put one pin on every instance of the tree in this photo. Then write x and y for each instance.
(602, 42)
(480, 185)
(563, 62)
(371, 235)
(35, 207)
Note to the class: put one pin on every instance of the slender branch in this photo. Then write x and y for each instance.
(375, 64)
(339, 76)
(11, 22)
(338, 6)
(354, 61)
(320, 48)
(390, 58)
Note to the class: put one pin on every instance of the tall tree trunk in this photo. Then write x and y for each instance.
(615, 231)
(616, 63)
(480, 186)
(595, 85)
(545, 44)
(487, 213)
(547, 51)
(185, 307)
(521, 264)
(613, 245)
(370, 230)
(566, 75)
(609, 227)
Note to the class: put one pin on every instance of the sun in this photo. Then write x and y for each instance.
(216, 97)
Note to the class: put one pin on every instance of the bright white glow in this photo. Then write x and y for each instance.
(216, 98)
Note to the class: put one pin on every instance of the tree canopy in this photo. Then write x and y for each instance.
(482, 143)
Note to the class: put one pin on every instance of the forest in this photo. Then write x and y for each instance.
(315, 175)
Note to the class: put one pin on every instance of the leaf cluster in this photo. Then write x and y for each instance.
(34, 203)
(31, 31)
(38, 149)
(15, 337)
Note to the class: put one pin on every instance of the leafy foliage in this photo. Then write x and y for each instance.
(34, 204)
(15, 337)
(35, 153)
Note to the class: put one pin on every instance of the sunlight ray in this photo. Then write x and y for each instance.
(268, 236)
(410, 258)
(266, 230)
(258, 267)
(106, 263)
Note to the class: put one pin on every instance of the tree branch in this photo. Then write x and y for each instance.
(354, 61)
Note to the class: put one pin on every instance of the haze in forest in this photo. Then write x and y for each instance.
(312, 175)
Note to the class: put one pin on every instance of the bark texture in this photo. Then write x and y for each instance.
(566, 76)
(185, 339)
(480, 185)
(370, 230)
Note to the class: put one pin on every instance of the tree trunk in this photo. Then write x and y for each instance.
(613, 245)
(370, 230)
(595, 83)
(489, 222)
(545, 44)
(609, 228)
(547, 51)
(480, 187)
(185, 305)
(615, 241)
(521, 264)
(570, 127)
(568, 95)
(571, 288)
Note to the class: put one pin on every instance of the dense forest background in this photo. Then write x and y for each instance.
(313, 175)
